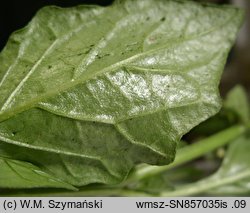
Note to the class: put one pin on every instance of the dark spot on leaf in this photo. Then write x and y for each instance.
(163, 19)
(152, 38)
(14, 133)
(106, 54)
(79, 54)
(148, 18)
(87, 51)
(49, 66)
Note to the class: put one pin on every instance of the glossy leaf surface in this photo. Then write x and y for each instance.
(117, 85)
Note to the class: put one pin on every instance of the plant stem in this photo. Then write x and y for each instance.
(204, 185)
(190, 152)
(183, 155)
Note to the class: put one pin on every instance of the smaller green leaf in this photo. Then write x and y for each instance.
(234, 174)
(233, 177)
(237, 101)
(238, 188)
(20, 174)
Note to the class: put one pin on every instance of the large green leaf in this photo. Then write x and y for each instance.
(117, 85)
(63, 47)
(18, 174)
(76, 151)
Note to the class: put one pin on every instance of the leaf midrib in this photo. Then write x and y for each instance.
(73, 154)
(67, 86)
(148, 112)
(51, 150)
